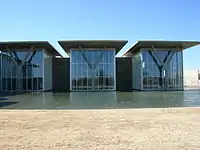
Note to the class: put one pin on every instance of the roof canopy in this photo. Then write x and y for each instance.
(162, 44)
(117, 44)
(25, 45)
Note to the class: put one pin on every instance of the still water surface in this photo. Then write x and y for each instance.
(101, 100)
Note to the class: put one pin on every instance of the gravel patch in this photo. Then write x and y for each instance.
(150, 129)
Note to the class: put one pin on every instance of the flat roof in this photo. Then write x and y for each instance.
(117, 44)
(24, 45)
(162, 44)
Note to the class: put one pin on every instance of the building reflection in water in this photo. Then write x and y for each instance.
(104, 100)
(93, 100)
(101, 100)
(150, 99)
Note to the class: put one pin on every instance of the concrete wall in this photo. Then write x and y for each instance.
(137, 76)
(47, 72)
(124, 74)
(61, 74)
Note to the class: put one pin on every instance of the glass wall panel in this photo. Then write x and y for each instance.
(36, 71)
(92, 70)
(174, 72)
(162, 70)
(148, 73)
(21, 71)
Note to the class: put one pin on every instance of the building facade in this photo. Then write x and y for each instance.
(158, 65)
(92, 69)
(26, 66)
(158, 70)
(92, 66)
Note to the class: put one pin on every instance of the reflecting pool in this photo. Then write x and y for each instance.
(101, 100)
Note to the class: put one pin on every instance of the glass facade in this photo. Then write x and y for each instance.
(21, 71)
(92, 70)
(162, 69)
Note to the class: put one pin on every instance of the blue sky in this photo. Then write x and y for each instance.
(130, 20)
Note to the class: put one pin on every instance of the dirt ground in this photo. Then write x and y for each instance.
(174, 128)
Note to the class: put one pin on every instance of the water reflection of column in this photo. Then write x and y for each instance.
(93, 78)
(161, 78)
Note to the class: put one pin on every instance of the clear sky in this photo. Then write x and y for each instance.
(130, 20)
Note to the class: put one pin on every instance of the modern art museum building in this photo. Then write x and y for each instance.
(92, 65)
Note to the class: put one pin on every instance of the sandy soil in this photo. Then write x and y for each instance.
(177, 128)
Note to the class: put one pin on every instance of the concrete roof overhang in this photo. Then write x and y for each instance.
(181, 45)
(25, 45)
(96, 44)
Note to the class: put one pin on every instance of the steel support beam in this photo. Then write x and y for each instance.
(27, 55)
(21, 63)
(10, 52)
(16, 56)
(166, 57)
(30, 59)
(160, 68)
(24, 60)
(156, 55)
(97, 62)
(154, 59)
(162, 65)
(100, 57)
(89, 64)
(169, 57)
